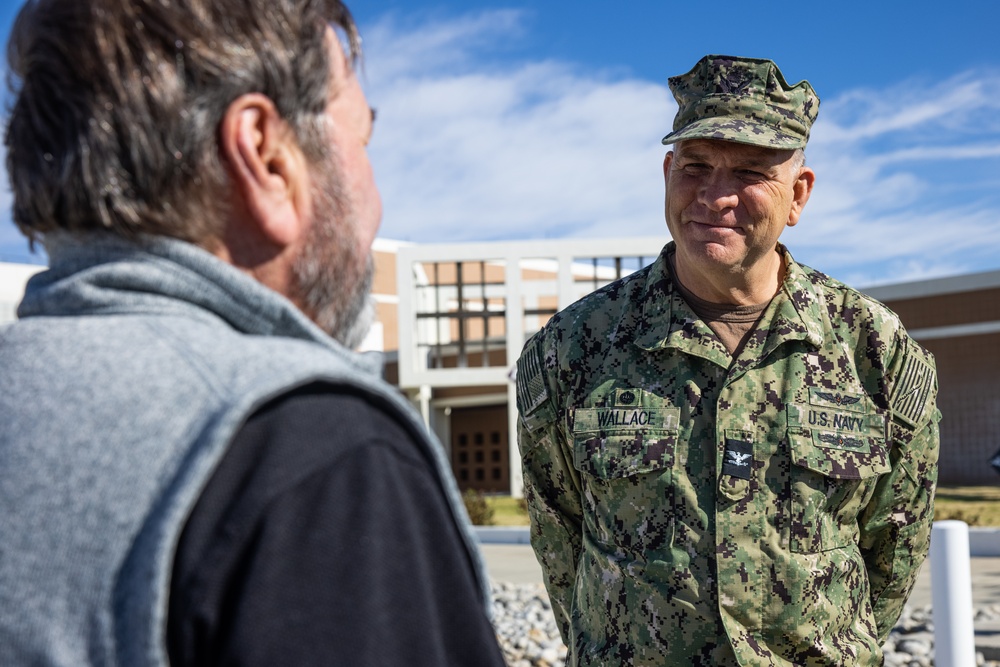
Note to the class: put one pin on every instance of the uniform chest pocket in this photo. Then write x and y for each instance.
(610, 443)
(833, 476)
(626, 457)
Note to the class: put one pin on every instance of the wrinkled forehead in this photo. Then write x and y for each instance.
(731, 150)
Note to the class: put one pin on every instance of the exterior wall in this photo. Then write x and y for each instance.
(970, 404)
(957, 319)
(962, 330)
(465, 311)
(955, 309)
(384, 292)
(478, 449)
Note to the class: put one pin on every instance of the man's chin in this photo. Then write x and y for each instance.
(346, 317)
(357, 330)
(711, 252)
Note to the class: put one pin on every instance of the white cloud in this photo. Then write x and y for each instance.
(522, 151)
(396, 48)
(963, 104)
(465, 151)
(470, 145)
(907, 183)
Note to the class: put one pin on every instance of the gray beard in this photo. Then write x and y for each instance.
(350, 325)
(333, 283)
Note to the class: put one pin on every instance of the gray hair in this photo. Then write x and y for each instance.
(118, 103)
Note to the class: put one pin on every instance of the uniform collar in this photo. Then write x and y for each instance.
(669, 322)
(800, 305)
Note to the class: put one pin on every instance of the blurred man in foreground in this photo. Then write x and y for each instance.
(195, 466)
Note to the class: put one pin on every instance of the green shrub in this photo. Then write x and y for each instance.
(480, 512)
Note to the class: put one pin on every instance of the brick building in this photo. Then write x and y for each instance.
(958, 320)
(465, 399)
(452, 319)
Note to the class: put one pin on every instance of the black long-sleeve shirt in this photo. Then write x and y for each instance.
(324, 538)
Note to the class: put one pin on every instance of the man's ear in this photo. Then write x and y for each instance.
(801, 190)
(267, 170)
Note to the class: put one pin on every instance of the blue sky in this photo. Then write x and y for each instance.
(523, 120)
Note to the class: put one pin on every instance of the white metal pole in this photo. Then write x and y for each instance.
(951, 595)
(425, 403)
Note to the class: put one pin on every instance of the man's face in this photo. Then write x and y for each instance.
(727, 203)
(349, 124)
(333, 272)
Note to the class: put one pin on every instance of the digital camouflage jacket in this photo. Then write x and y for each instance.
(689, 508)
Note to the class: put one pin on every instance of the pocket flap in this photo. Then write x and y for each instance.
(623, 454)
(839, 455)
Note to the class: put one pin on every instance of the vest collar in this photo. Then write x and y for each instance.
(103, 274)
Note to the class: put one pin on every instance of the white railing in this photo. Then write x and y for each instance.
(528, 281)
(558, 268)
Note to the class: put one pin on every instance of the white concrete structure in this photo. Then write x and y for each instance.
(514, 288)
(13, 278)
(951, 592)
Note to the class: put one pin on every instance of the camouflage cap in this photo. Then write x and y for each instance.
(745, 100)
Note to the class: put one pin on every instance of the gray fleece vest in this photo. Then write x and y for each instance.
(120, 389)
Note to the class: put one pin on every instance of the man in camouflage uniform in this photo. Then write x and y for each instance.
(729, 458)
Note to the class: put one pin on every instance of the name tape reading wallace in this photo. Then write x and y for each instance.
(620, 419)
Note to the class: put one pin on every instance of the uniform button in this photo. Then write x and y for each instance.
(733, 488)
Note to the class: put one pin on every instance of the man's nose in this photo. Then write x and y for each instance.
(718, 192)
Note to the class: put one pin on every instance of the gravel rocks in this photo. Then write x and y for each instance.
(526, 628)
(522, 616)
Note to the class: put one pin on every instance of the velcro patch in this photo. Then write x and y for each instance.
(913, 387)
(531, 391)
(737, 458)
(838, 400)
(610, 420)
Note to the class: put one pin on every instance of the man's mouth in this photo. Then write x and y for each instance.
(714, 225)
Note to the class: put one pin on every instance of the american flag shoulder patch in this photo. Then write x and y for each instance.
(531, 391)
(913, 386)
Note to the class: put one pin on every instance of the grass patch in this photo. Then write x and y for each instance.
(975, 505)
(508, 511)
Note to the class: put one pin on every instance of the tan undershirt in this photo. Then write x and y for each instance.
(732, 324)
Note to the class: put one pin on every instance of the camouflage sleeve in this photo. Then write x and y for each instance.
(895, 526)
(551, 483)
